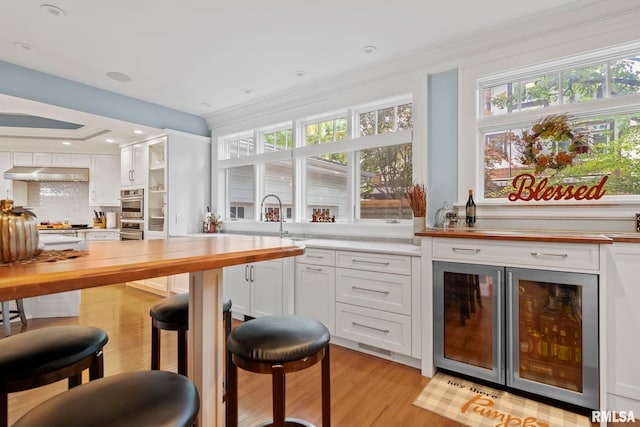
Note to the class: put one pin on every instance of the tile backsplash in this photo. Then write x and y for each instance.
(57, 201)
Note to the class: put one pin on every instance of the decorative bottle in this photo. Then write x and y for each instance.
(471, 210)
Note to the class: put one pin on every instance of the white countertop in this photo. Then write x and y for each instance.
(344, 245)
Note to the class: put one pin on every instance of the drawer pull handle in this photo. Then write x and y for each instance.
(475, 251)
(313, 269)
(357, 288)
(544, 254)
(315, 256)
(384, 331)
(356, 261)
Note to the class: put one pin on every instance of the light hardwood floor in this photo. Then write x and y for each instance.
(366, 390)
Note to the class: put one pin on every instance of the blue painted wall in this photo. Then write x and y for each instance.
(37, 86)
(442, 144)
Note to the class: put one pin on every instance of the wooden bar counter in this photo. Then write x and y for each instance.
(109, 262)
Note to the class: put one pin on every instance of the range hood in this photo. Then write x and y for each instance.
(47, 174)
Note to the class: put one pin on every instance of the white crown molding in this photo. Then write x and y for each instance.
(540, 31)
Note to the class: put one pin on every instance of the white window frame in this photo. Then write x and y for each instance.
(471, 158)
(352, 144)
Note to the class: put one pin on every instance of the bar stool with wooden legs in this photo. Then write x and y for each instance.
(142, 399)
(172, 314)
(8, 315)
(42, 356)
(278, 345)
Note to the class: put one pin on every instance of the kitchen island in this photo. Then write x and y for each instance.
(109, 262)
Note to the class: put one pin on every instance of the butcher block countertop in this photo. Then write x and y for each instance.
(532, 236)
(109, 262)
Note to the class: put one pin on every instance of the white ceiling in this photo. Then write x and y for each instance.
(200, 56)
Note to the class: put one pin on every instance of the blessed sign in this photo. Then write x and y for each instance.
(528, 188)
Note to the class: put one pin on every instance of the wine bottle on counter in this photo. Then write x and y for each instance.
(471, 210)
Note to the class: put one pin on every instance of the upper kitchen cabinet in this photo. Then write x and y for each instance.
(51, 159)
(11, 190)
(157, 194)
(104, 190)
(133, 166)
(5, 184)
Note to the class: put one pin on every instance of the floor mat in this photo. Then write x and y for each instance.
(479, 406)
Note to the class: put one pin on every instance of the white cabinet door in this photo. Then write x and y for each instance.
(256, 289)
(179, 283)
(126, 165)
(81, 160)
(315, 293)
(5, 184)
(61, 159)
(22, 159)
(238, 288)
(266, 288)
(133, 169)
(42, 159)
(623, 328)
(104, 187)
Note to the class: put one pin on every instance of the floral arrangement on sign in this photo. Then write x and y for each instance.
(417, 198)
(550, 129)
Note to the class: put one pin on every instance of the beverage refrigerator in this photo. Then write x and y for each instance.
(524, 329)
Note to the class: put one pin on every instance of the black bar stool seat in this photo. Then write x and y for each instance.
(142, 399)
(42, 356)
(278, 345)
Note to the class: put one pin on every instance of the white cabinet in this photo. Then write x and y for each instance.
(179, 283)
(156, 206)
(133, 167)
(259, 289)
(9, 189)
(6, 189)
(42, 159)
(99, 234)
(315, 286)
(104, 190)
(623, 327)
(373, 300)
(22, 159)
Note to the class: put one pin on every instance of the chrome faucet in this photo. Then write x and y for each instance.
(281, 214)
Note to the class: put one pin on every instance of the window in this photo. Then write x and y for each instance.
(240, 192)
(278, 140)
(319, 158)
(602, 98)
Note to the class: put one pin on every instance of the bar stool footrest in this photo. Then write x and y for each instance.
(288, 422)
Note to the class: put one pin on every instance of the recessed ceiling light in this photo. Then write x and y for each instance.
(118, 76)
(23, 46)
(299, 73)
(138, 132)
(110, 140)
(369, 49)
(53, 10)
(247, 91)
(66, 143)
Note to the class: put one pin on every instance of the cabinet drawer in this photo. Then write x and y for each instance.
(102, 235)
(388, 331)
(318, 257)
(397, 264)
(381, 291)
(530, 254)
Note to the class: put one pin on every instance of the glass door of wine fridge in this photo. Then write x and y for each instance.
(552, 334)
(469, 320)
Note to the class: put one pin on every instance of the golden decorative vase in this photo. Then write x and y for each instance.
(19, 237)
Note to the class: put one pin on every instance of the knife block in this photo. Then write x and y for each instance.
(100, 222)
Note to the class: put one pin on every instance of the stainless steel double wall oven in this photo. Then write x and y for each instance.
(132, 217)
